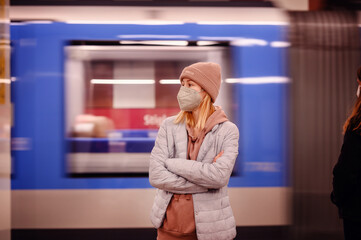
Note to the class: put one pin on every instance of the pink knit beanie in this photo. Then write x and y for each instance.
(206, 74)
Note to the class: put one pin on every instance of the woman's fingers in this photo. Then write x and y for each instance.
(219, 155)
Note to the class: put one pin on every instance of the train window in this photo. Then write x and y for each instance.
(116, 98)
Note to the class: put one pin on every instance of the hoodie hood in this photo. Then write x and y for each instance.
(195, 142)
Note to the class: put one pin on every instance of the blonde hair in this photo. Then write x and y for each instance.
(353, 122)
(206, 109)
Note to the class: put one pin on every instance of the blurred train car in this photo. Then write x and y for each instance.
(88, 99)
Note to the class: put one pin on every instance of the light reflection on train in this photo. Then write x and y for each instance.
(89, 98)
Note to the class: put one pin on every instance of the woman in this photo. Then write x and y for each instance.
(346, 192)
(192, 160)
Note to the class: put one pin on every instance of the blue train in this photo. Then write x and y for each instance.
(88, 99)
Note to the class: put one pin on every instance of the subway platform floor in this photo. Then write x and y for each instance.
(243, 233)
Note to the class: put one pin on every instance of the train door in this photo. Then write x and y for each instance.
(117, 95)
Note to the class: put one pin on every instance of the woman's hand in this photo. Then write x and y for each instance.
(219, 155)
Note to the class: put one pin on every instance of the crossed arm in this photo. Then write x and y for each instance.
(179, 175)
(210, 175)
(160, 177)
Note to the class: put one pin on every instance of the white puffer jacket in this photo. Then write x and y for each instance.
(171, 172)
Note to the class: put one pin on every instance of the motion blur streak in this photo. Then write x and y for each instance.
(5, 123)
(325, 54)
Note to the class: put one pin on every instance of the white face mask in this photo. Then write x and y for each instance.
(188, 99)
(358, 91)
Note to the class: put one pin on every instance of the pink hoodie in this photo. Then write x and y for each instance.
(195, 142)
